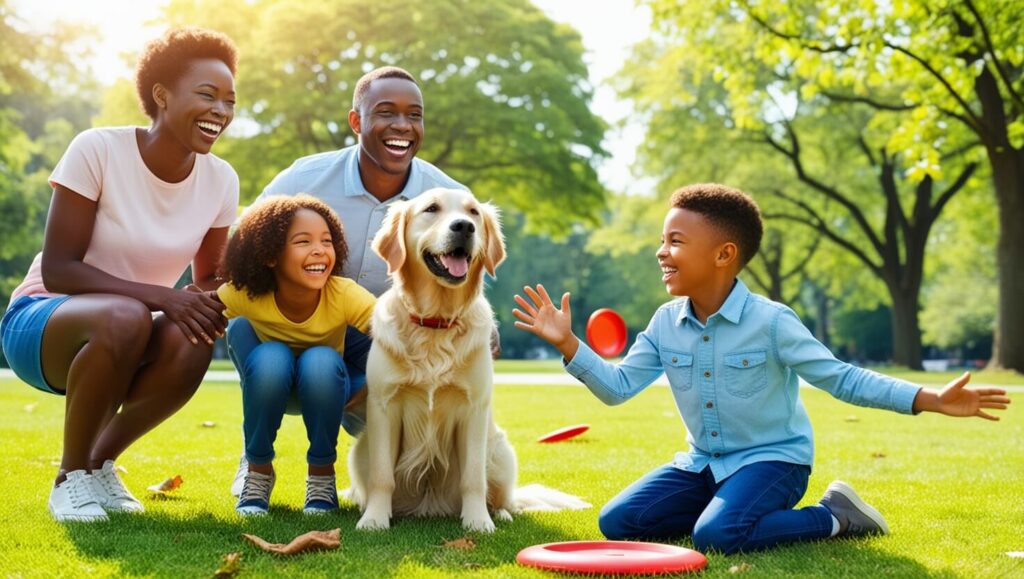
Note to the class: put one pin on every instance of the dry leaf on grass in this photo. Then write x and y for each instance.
(742, 567)
(121, 469)
(165, 487)
(877, 455)
(463, 544)
(31, 407)
(208, 424)
(230, 567)
(311, 541)
(852, 418)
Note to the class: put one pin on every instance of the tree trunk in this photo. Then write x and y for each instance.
(1008, 177)
(906, 330)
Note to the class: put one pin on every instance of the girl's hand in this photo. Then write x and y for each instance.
(198, 314)
(956, 400)
(541, 318)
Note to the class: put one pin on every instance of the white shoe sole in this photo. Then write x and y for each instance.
(848, 492)
(77, 518)
(251, 511)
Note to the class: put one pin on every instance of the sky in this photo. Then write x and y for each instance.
(607, 32)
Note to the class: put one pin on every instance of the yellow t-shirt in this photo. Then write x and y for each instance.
(343, 303)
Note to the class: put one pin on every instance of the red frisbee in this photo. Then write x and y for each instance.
(564, 433)
(612, 558)
(606, 332)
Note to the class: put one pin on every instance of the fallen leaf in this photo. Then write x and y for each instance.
(852, 418)
(742, 567)
(463, 544)
(31, 407)
(167, 486)
(1016, 554)
(230, 567)
(121, 468)
(877, 455)
(208, 424)
(311, 541)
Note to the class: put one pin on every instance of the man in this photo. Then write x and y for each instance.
(360, 183)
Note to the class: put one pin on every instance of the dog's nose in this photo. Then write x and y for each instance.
(462, 226)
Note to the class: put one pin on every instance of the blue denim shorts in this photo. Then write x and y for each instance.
(22, 335)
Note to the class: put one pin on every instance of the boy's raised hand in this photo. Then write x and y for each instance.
(541, 318)
(956, 400)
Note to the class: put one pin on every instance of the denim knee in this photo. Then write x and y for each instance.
(268, 370)
(618, 522)
(321, 375)
(719, 535)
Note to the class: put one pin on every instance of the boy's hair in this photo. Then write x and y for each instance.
(376, 74)
(730, 210)
(165, 59)
(260, 238)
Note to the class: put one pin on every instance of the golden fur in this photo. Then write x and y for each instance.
(431, 447)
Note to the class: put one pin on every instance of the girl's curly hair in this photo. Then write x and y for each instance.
(165, 59)
(260, 239)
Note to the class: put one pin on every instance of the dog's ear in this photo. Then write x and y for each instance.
(494, 241)
(389, 243)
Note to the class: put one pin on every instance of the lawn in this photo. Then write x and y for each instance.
(951, 489)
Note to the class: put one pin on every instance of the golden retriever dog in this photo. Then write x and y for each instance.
(431, 447)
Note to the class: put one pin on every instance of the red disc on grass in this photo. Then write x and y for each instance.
(612, 558)
(606, 332)
(564, 433)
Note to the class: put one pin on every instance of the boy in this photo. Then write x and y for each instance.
(732, 359)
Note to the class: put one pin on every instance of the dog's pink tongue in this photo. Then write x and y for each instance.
(457, 266)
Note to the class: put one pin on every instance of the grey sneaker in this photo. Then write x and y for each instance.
(855, 516)
(73, 500)
(321, 495)
(111, 493)
(255, 497)
(239, 481)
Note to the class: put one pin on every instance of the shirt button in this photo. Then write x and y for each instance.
(707, 374)
(714, 433)
(362, 276)
(746, 363)
(706, 338)
(716, 455)
(709, 404)
(674, 359)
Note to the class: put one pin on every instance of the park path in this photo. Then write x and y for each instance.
(538, 378)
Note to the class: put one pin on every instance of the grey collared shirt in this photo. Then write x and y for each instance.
(334, 178)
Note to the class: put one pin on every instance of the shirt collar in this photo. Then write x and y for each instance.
(731, 310)
(356, 188)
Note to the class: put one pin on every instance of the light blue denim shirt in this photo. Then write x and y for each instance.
(334, 178)
(735, 382)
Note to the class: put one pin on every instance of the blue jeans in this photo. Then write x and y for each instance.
(750, 510)
(317, 383)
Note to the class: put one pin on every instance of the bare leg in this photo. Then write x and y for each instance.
(172, 371)
(91, 348)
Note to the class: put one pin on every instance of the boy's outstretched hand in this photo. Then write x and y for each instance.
(956, 400)
(541, 318)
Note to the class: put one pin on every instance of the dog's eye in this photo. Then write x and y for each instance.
(433, 208)
(474, 211)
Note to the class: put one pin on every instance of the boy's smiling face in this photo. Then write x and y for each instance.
(690, 252)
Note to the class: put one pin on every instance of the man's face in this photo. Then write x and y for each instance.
(389, 123)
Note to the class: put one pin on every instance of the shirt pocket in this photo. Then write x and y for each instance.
(679, 368)
(746, 373)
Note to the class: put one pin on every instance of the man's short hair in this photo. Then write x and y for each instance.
(732, 211)
(165, 59)
(378, 73)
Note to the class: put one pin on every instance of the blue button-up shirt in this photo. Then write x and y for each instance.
(735, 380)
(334, 178)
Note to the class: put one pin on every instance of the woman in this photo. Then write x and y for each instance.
(97, 319)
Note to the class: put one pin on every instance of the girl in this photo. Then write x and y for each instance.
(97, 318)
(283, 268)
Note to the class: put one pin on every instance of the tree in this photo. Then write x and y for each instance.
(954, 66)
(505, 89)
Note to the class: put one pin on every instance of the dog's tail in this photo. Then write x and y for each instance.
(537, 497)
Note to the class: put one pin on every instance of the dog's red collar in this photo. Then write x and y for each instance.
(436, 323)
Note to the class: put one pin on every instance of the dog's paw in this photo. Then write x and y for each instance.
(370, 522)
(503, 515)
(481, 524)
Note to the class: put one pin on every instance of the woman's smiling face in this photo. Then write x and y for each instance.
(200, 105)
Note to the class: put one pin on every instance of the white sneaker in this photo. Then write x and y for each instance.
(73, 500)
(239, 482)
(111, 493)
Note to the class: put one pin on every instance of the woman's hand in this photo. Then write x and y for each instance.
(956, 400)
(198, 314)
(541, 318)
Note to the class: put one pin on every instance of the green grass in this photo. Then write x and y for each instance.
(951, 489)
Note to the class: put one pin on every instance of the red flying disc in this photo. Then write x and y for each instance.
(606, 332)
(612, 558)
(564, 433)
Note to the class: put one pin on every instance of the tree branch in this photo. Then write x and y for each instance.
(952, 190)
(824, 229)
(803, 263)
(803, 42)
(868, 101)
(975, 122)
(1014, 96)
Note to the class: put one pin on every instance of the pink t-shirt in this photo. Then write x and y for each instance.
(146, 230)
